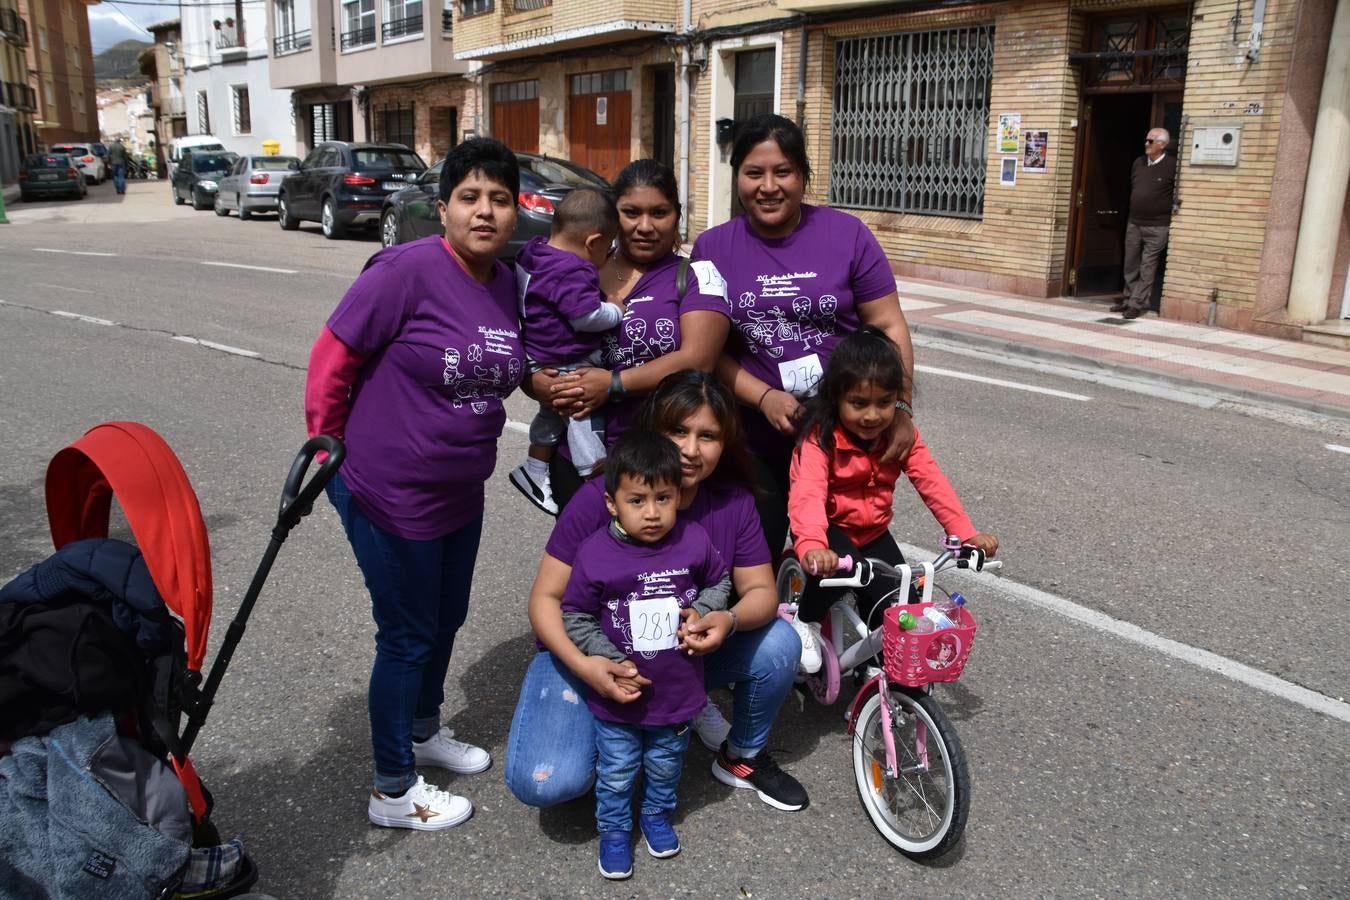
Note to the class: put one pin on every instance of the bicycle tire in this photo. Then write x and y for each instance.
(902, 808)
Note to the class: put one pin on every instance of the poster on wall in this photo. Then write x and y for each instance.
(1035, 150)
(1008, 173)
(1009, 132)
(602, 110)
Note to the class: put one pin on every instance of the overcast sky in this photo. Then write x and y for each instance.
(110, 22)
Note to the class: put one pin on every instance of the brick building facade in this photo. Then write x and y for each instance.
(902, 105)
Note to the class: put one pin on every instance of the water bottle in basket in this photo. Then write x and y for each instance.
(951, 607)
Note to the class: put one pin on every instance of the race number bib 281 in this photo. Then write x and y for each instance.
(801, 376)
(655, 623)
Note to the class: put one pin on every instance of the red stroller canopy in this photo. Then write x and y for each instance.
(132, 461)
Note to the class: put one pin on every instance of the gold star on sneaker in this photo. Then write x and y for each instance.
(422, 812)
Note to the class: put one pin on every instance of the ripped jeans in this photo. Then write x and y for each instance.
(550, 752)
(657, 751)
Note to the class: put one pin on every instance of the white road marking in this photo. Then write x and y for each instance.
(1015, 385)
(1337, 448)
(223, 348)
(225, 265)
(71, 252)
(62, 287)
(92, 320)
(520, 427)
(1202, 659)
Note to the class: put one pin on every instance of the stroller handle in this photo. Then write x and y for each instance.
(297, 497)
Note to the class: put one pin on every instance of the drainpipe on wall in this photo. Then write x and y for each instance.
(1328, 174)
(686, 22)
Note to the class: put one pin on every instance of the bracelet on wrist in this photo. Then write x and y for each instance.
(734, 623)
(902, 406)
(760, 404)
(616, 389)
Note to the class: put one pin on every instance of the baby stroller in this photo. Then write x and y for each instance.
(98, 793)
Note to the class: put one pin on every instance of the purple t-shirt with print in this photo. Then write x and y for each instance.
(556, 286)
(443, 351)
(635, 591)
(651, 326)
(794, 298)
(726, 512)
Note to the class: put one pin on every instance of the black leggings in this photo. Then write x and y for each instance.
(770, 475)
(816, 600)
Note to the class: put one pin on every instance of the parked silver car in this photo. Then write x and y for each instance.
(252, 183)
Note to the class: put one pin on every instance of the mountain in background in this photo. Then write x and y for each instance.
(118, 63)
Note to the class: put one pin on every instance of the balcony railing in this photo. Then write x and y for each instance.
(14, 27)
(19, 96)
(527, 5)
(447, 23)
(292, 43)
(397, 28)
(358, 37)
(229, 38)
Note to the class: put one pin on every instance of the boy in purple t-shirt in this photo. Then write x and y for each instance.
(564, 312)
(632, 586)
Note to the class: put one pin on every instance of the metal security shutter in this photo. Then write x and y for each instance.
(911, 116)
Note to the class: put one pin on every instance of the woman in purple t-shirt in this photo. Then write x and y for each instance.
(799, 278)
(663, 330)
(411, 371)
(550, 752)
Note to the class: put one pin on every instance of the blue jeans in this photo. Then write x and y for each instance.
(419, 592)
(656, 750)
(550, 751)
(120, 178)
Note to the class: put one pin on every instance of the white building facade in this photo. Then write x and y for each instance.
(226, 85)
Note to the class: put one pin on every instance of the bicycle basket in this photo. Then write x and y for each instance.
(915, 659)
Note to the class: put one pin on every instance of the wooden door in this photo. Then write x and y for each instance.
(516, 124)
(600, 122)
(515, 115)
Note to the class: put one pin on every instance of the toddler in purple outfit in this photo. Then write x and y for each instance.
(564, 314)
(632, 586)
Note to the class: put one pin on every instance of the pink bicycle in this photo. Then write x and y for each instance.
(908, 762)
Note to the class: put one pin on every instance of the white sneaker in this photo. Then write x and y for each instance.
(711, 726)
(444, 752)
(423, 808)
(809, 632)
(538, 493)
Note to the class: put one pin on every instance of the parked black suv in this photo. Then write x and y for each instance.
(411, 214)
(197, 176)
(340, 184)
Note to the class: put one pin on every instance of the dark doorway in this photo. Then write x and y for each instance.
(755, 71)
(1116, 126)
(663, 115)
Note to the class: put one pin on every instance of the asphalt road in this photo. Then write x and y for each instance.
(1102, 766)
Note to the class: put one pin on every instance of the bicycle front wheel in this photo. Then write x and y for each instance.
(922, 808)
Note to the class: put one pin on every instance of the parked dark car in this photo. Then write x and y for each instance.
(342, 185)
(411, 213)
(198, 175)
(51, 175)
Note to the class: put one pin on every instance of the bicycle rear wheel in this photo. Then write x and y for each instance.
(922, 810)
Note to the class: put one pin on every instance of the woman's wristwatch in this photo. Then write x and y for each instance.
(616, 391)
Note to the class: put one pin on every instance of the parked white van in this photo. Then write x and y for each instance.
(191, 142)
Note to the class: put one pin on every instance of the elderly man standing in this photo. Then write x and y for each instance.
(1153, 180)
(117, 160)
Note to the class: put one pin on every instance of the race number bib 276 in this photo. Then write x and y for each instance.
(801, 376)
(655, 623)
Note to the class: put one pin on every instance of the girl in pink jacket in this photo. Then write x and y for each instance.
(842, 492)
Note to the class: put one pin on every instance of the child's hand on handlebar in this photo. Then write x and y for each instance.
(986, 543)
(821, 562)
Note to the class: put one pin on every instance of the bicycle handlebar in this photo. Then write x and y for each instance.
(861, 574)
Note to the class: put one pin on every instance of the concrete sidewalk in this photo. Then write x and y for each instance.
(1085, 335)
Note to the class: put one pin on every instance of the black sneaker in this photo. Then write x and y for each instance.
(1119, 306)
(761, 774)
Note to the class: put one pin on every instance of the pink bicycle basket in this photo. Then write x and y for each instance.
(915, 659)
